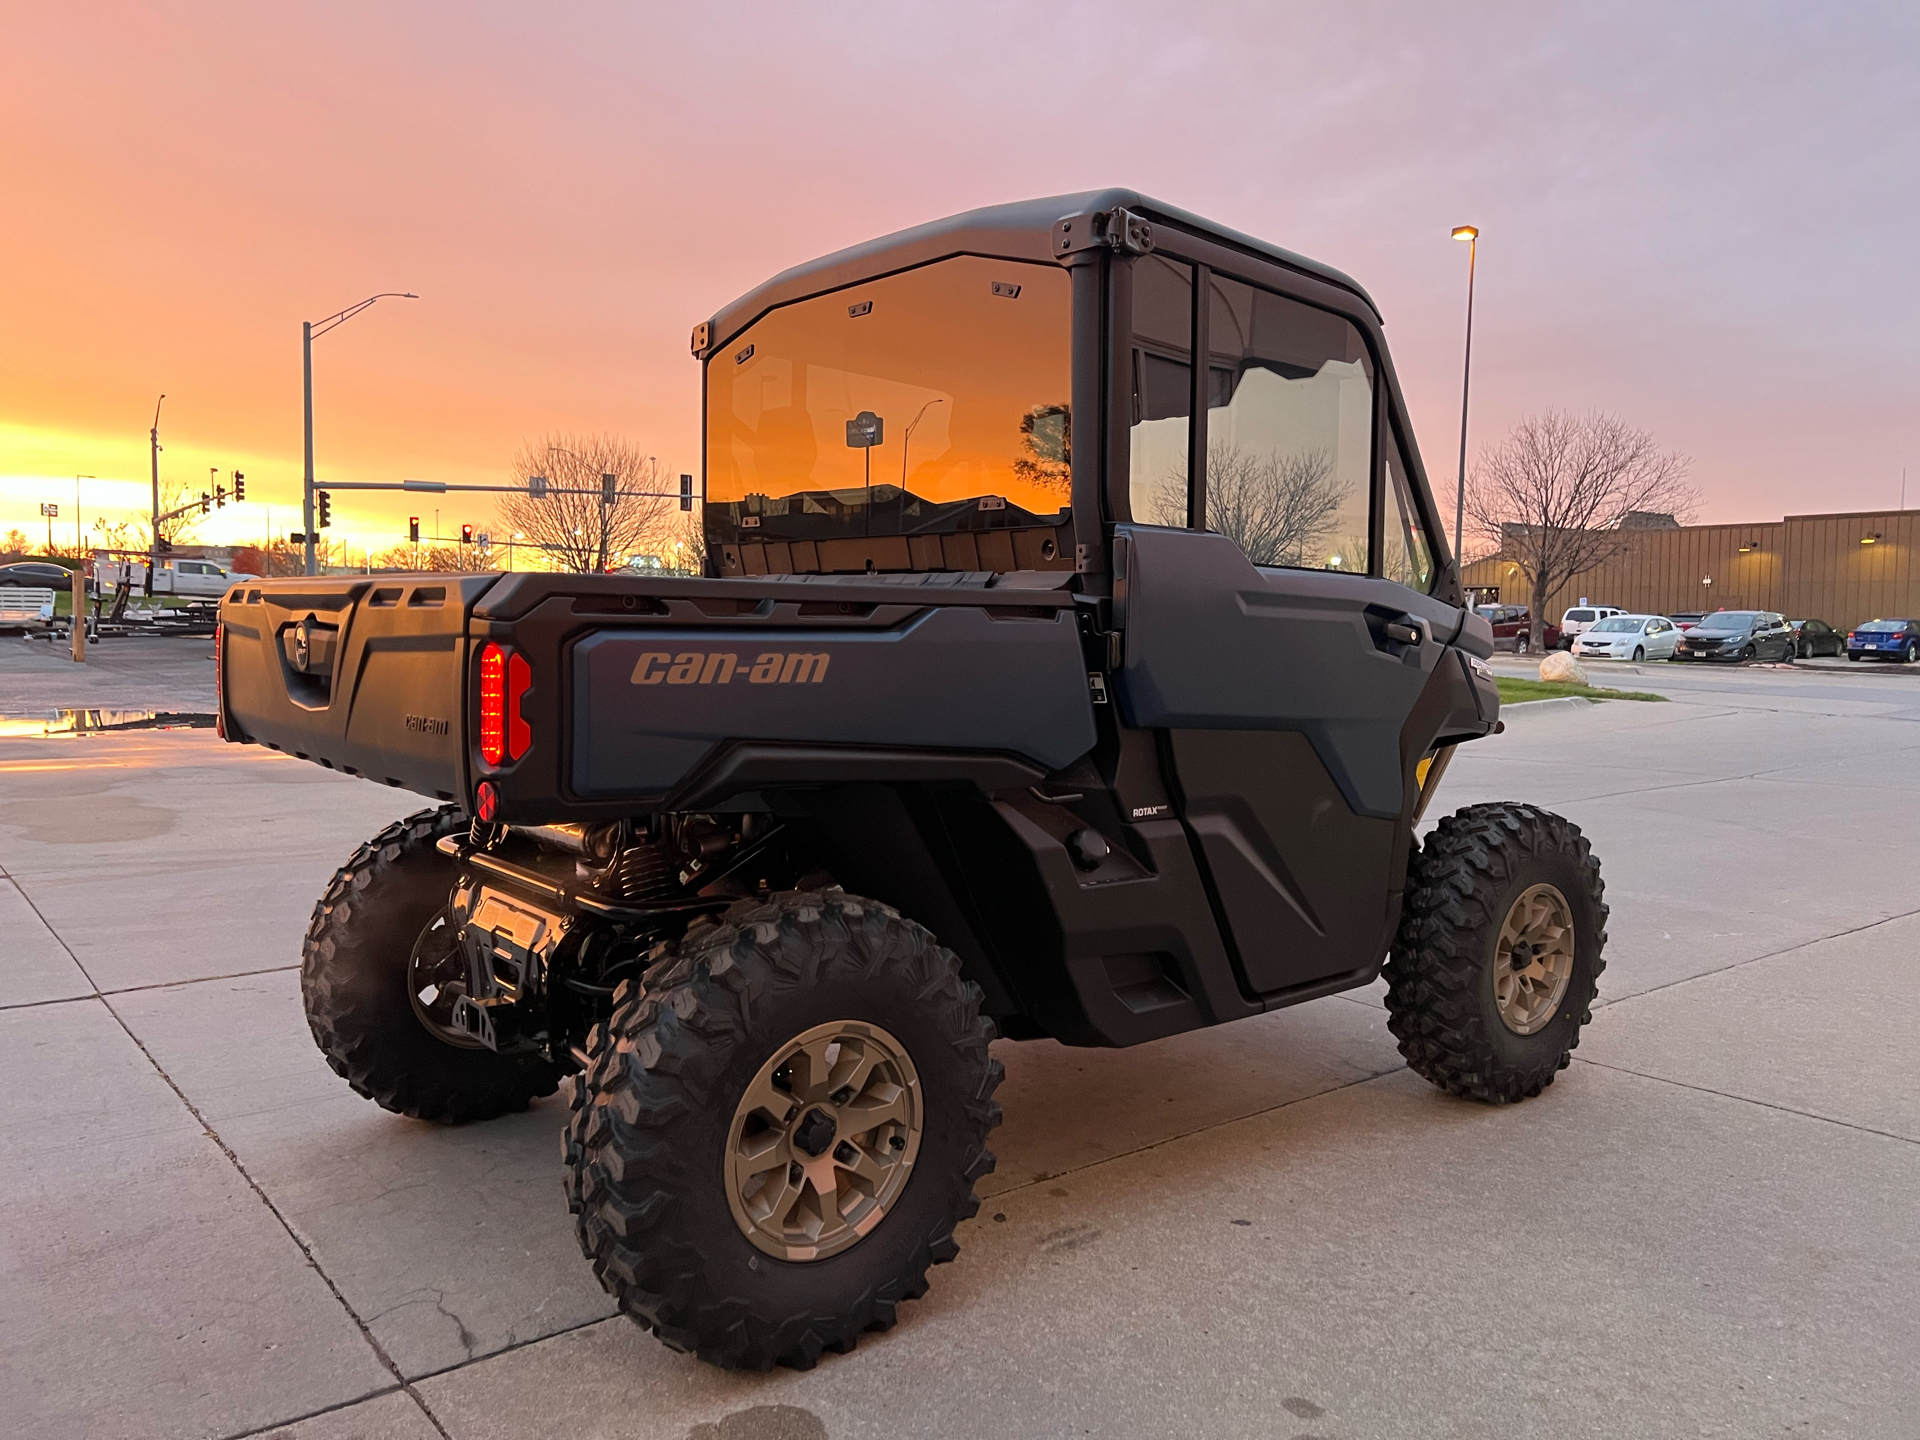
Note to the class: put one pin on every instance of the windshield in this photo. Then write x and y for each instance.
(1882, 626)
(1729, 620)
(1617, 625)
(914, 422)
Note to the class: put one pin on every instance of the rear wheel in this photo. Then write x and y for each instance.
(1499, 953)
(777, 1134)
(379, 974)
(1522, 644)
(1912, 652)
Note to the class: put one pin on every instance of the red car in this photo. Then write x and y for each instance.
(1512, 628)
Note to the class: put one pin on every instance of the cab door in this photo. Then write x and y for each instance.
(1277, 629)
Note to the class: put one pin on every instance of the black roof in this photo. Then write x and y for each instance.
(1022, 230)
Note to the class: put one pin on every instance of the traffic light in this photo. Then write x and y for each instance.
(466, 534)
(206, 502)
(537, 486)
(220, 497)
(326, 507)
(686, 492)
(608, 484)
(413, 529)
(239, 487)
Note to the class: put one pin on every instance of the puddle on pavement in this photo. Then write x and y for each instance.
(99, 722)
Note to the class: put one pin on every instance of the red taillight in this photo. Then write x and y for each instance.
(519, 680)
(493, 704)
(219, 688)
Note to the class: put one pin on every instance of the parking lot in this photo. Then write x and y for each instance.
(1708, 1227)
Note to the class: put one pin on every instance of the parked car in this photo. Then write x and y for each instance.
(1582, 617)
(1687, 619)
(1816, 637)
(37, 574)
(1739, 635)
(191, 578)
(1627, 637)
(1885, 640)
(1513, 628)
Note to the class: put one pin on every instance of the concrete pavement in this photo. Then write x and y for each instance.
(1706, 1227)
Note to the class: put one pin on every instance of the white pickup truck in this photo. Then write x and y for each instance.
(195, 579)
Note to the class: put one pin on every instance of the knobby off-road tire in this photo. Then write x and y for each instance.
(354, 978)
(654, 1122)
(1462, 885)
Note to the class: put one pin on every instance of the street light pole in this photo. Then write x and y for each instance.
(153, 455)
(308, 330)
(76, 511)
(306, 395)
(1472, 236)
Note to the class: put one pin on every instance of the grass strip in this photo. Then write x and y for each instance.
(1514, 690)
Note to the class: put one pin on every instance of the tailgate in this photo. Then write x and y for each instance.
(361, 674)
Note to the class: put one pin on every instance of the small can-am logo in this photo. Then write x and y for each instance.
(719, 667)
(427, 725)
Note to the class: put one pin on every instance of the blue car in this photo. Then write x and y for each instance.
(1885, 640)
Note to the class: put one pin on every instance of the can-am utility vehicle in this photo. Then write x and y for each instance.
(1076, 655)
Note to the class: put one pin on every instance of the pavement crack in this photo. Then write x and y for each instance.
(1749, 1100)
(134, 989)
(1756, 959)
(1053, 1175)
(380, 1351)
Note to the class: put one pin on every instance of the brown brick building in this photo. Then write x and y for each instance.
(1839, 568)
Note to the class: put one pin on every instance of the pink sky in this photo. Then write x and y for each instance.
(1703, 218)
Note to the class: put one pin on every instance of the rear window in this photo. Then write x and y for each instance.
(1579, 616)
(1882, 626)
(914, 422)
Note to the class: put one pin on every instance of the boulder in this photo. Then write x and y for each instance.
(1563, 667)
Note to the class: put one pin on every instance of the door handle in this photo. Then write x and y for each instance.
(1402, 633)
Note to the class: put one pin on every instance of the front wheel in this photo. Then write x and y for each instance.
(1522, 644)
(380, 971)
(1750, 653)
(1639, 652)
(778, 1131)
(1499, 953)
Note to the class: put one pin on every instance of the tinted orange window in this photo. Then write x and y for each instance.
(963, 367)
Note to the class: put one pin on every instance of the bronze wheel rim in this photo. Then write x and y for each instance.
(1533, 959)
(823, 1141)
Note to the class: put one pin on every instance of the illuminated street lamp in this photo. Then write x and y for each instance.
(1471, 235)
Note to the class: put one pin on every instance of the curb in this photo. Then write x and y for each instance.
(1557, 702)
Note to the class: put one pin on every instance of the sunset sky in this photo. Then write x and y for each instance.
(1701, 217)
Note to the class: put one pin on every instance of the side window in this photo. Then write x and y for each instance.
(1289, 430)
(1409, 557)
(1162, 352)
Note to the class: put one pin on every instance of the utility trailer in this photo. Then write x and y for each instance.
(1078, 655)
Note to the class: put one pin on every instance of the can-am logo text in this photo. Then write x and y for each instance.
(718, 667)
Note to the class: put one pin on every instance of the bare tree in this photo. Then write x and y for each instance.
(1046, 435)
(1279, 509)
(685, 548)
(1557, 493)
(572, 524)
(438, 559)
